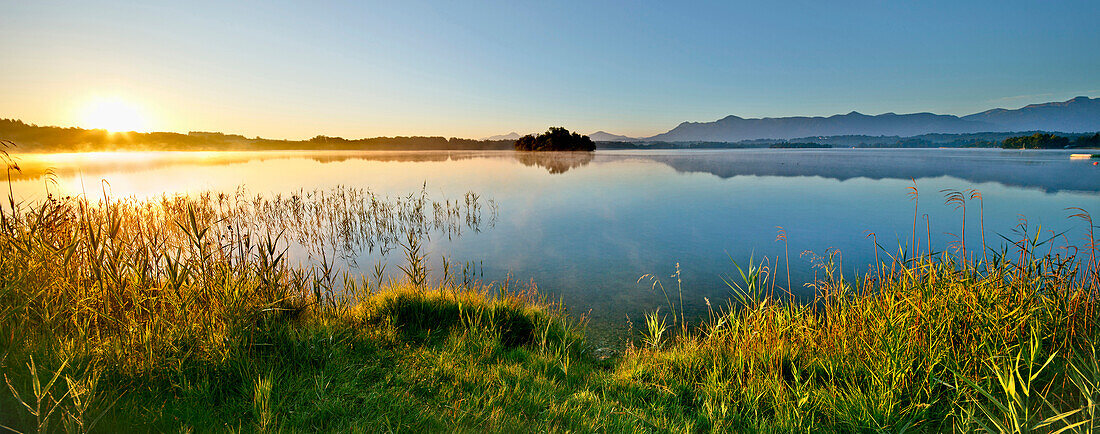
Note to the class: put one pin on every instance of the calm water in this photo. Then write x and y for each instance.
(586, 227)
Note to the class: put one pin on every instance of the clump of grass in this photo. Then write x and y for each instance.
(261, 402)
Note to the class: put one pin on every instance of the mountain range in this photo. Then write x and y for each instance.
(603, 136)
(1077, 115)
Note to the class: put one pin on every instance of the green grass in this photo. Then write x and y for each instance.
(125, 315)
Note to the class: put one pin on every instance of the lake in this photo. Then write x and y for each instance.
(585, 227)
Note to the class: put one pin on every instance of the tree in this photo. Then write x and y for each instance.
(555, 139)
(1092, 141)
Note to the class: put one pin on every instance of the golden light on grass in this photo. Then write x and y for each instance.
(113, 114)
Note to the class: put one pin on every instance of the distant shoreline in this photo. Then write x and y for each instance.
(30, 138)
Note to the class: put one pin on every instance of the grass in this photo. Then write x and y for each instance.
(129, 315)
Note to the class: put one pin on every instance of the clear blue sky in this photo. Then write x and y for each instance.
(473, 69)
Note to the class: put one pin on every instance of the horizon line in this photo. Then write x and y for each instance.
(603, 130)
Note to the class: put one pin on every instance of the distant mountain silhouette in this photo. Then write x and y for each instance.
(1078, 115)
(604, 136)
(510, 136)
(1081, 114)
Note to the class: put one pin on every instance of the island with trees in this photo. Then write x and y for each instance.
(1051, 141)
(555, 139)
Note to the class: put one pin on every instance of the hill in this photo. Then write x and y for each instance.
(1081, 114)
(1078, 115)
(604, 136)
(732, 128)
(510, 136)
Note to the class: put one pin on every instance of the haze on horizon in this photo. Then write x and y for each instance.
(293, 70)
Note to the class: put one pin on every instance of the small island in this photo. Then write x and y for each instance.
(555, 139)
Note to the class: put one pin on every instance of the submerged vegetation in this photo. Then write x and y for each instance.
(186, 313)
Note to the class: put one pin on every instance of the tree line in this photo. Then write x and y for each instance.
(34, 138)
(1051, 141)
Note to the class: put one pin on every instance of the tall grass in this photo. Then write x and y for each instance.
(933, 342)
(160, 272)
(134, 289)
(161, 297)
(186, 313)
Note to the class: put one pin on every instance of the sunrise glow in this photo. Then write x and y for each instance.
(113, 114)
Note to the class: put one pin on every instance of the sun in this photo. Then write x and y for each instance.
(113, 114)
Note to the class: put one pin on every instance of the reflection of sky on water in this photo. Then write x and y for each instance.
(585, 228)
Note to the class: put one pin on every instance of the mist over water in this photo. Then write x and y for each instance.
(584, 227)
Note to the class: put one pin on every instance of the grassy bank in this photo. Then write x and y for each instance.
(152, 315)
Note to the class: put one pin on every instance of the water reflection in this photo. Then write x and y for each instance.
(555, 162)
(1047, 170)
(1050, 171)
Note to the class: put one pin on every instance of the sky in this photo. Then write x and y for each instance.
(474, 69)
